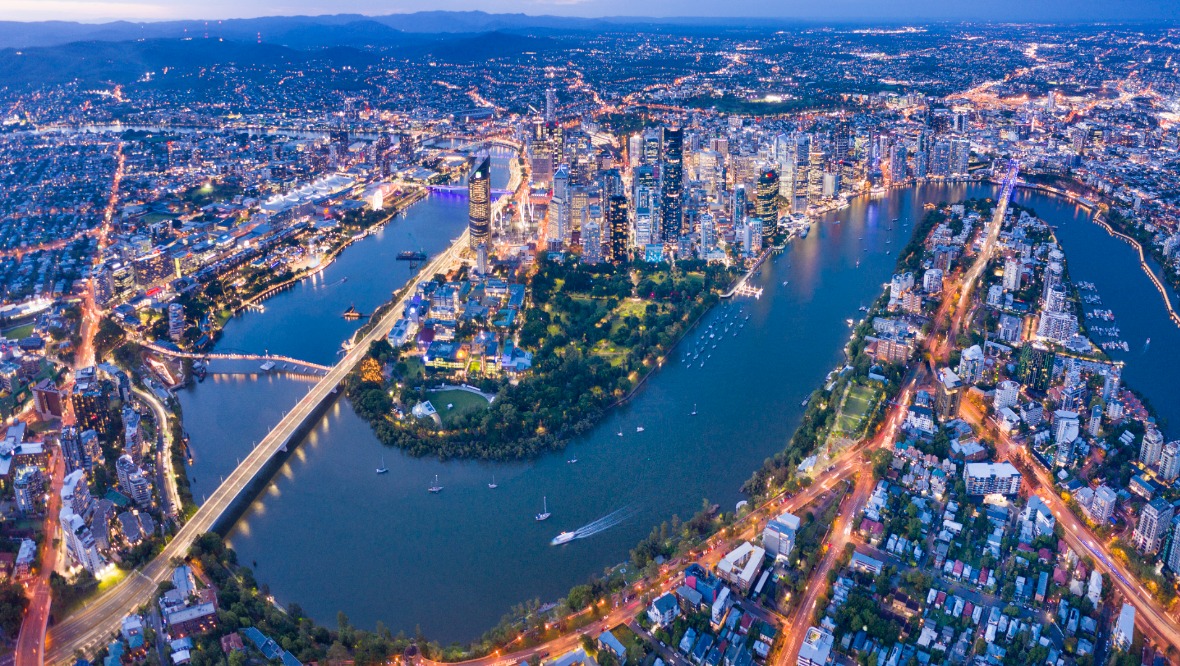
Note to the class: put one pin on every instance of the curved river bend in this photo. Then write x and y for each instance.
(331, 535)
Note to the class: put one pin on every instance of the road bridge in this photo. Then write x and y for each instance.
(93, 625)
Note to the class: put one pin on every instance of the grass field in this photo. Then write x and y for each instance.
(463, 402)
(18, 332)
(856, 407)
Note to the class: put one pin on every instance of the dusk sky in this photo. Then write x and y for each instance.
(997, 10)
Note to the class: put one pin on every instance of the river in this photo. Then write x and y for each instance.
(331, 535)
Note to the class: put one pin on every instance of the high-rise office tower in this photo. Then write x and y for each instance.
(897, 163)
(550, 105)
(960, 156)
(739, 204)
(766, 203)
(479, 207)
(671, 184)
(815, 175)
(559, 216)
(616, 220)
(592, 242)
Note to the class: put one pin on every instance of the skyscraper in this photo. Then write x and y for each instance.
(766, 202)
(671, 184)
(479, 207)
(559, 215)
(616, 221)
(550, 105)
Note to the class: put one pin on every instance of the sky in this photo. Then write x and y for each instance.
(844, 10)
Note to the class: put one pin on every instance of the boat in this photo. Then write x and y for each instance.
(544, 515)
(621, 432)
(694, 410)
(638, 428)
(805, 401)
(572, 460)
(564, 537)
(267, 367)
(410, 255)
(435, 488)
(352, 313)
(493, 484)
(382, 469)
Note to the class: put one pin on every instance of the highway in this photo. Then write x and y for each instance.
(94, 624)
(165, 476)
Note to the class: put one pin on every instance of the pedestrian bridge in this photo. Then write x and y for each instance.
(281, 362)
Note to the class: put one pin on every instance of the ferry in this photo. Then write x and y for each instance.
(564, 537)
(409, 255)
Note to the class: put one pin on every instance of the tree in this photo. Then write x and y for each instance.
(12, 608)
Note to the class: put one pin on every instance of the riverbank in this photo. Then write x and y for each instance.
(592, 334)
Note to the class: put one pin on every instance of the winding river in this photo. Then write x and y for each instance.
(331, 535)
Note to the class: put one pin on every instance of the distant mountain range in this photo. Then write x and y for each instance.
(97, 60)
(335, 30)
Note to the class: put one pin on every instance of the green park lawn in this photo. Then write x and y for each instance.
(18, 332)
(464, 402)
(856, 407)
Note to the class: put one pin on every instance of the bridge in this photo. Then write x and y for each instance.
(91, 626)
(297, 365)
(462, 189)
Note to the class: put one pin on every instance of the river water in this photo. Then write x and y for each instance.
(331, 535)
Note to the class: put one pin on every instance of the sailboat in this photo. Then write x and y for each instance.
(694, 409)
(544, 515)
(382, 469)
(493, 485)
(435, 488)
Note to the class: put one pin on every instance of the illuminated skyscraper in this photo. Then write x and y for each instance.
(766, 201)
(672, 184)
(617, 223)
(479, 208)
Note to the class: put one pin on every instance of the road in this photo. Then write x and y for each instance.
(165, 475)
(1149, 616)
(32, 630)
(92, 625)
(989, 245)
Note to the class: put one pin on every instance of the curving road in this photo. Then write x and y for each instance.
(94, 624)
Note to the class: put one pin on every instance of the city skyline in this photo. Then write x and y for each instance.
(100, 11)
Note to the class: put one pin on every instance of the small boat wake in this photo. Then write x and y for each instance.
(603, 524)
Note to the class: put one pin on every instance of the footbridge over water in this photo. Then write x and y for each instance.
(91, 626)
(280, 361)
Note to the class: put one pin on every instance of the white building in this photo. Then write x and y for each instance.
(778, 538)
(80, 542)
(991, 478)
(816, 648)
(1007, 394)
(1124, 629)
